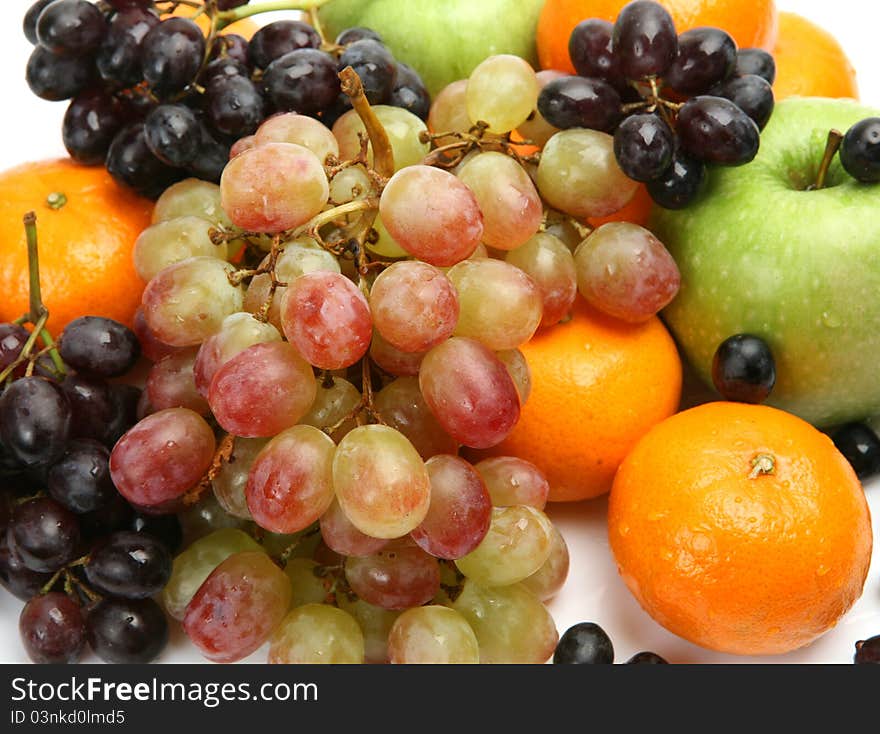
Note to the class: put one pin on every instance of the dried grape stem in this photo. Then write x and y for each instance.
(221, 458)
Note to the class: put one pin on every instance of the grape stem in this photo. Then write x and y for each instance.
(835, 138)
(245, 11)
(222, 456)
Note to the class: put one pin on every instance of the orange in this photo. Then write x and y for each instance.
(85, 247)
(750, 22)
(598, 384)
(810, 62)
(245, 27)
(637, 210)
(731, 557)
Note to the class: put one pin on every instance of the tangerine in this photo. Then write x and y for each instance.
(810, 62)
(750, 22)
(85, 239)
(740, 528)
(598, 384)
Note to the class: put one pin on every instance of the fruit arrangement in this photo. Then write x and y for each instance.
(393, 340)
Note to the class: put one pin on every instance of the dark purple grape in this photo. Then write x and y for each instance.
(644, 39)
(576, 101)
(173, 134)
(171, 55)
(276, 39)
(647, 658)
(756, 61)
(29, 24)
(337, 109)
(680, 184)
(91, 406)
(99, 346)
(129, 565)
(52, 629)
(223, 68)
(751, 93)
(71, 27)
(374, 64)
(127, 630)
(643, 146)
(119, 56)
(867, 651)
(116, 515)
(861, 447)
(743, 369)
(12, 339)
(124, 399)
(92, 120)
(706, 56)
(357, 33)
(131, 162)
(35, 420)
(860, 150)
(53, 77)
(212, 158)
(44, 534)
(230, 4)
(230, 46)
(584, 643)
(590, 50)
(166, 528)
(409, 92)
(80, 480)
(125, 4)
(303, 81)
(18, 579)
(715, 130)
(234, 106)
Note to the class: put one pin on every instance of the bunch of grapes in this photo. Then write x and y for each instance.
(85, 561)
(674, 103)
(156, 100)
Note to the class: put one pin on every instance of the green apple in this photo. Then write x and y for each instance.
(443, 41)
(762, 253)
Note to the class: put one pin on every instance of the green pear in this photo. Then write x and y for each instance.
(764, 252)
(443, 41)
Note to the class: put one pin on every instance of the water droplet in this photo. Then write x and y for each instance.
(832, 321)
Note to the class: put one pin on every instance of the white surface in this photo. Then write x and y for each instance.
(30, 129)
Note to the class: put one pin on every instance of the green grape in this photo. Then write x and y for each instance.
(449, 112)
(208, 515)
(385, 245)
(375, 624)
(546, 582)
(292, 545)
(518, 368)
(333, 403)
(308, 587)
(231, 480)
(502, 91)
(172, 240)
(191, 197)
(317, 633)
(432, 634)
(196, 563)
(510, 622)
(547, 261)
(403, 129)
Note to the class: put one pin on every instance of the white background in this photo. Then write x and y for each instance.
(30, 130)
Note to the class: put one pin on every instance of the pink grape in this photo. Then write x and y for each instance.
(343, 537)
(262, 390)
(186, 302)
(273, 187)
(626, 272)
(470, 392)
(460, 511)
(327, 318)
(514, 481)
(431, 214)
(448, 112)
(381, 481)
(237, 608)
(511, 206)
(151, 347)
(290, 483)
(392, 360)
(289, 127)
(500, 305)
(237, 332)
(399, 576)
(414, 306)
(171, 384)
(241, 145)
(548, 580)
(402, 406)
(550, 264)
(162, 457)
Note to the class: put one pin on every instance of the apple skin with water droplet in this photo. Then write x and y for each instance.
(760, 253)
(443, 41)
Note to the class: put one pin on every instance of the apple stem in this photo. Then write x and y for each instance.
(835, 137)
